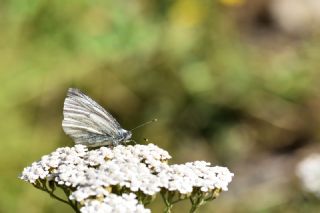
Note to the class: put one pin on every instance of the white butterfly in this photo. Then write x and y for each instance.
(87, 123)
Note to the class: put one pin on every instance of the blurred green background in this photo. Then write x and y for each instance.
(233, 82)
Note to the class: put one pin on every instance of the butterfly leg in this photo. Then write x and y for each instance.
(114, 143)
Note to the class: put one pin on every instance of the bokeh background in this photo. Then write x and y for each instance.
(233, 82)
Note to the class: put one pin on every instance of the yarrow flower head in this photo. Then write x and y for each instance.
(308, 170)
(123, 178)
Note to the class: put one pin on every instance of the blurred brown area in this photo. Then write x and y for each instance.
(233, 82)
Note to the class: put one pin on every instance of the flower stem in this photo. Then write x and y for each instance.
(167, 202)
(168, 209)
(196, 206)
(72, 204)
(197, 199)
(43, 187)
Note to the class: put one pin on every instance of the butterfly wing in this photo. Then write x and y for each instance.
(86, 122)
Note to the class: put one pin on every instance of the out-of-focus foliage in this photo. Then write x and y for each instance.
(226, 83)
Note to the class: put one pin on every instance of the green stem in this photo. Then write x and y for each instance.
(72, 204)
(168, 209)
(43, 187)
(197, 199)
(196, 206)
(52, 195)
(166, 202)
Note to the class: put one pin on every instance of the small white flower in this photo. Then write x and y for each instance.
(34, 172)
(83, 193)
(308, 170)
(125, 203)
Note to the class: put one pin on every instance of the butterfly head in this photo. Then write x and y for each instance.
(125, 135)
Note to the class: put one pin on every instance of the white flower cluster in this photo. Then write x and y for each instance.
(308, 170)
(113, 203)
(143, 168)
(185, 177)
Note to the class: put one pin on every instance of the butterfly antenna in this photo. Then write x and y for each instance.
(154, 120)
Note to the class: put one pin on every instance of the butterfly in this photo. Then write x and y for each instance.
(88, 123)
